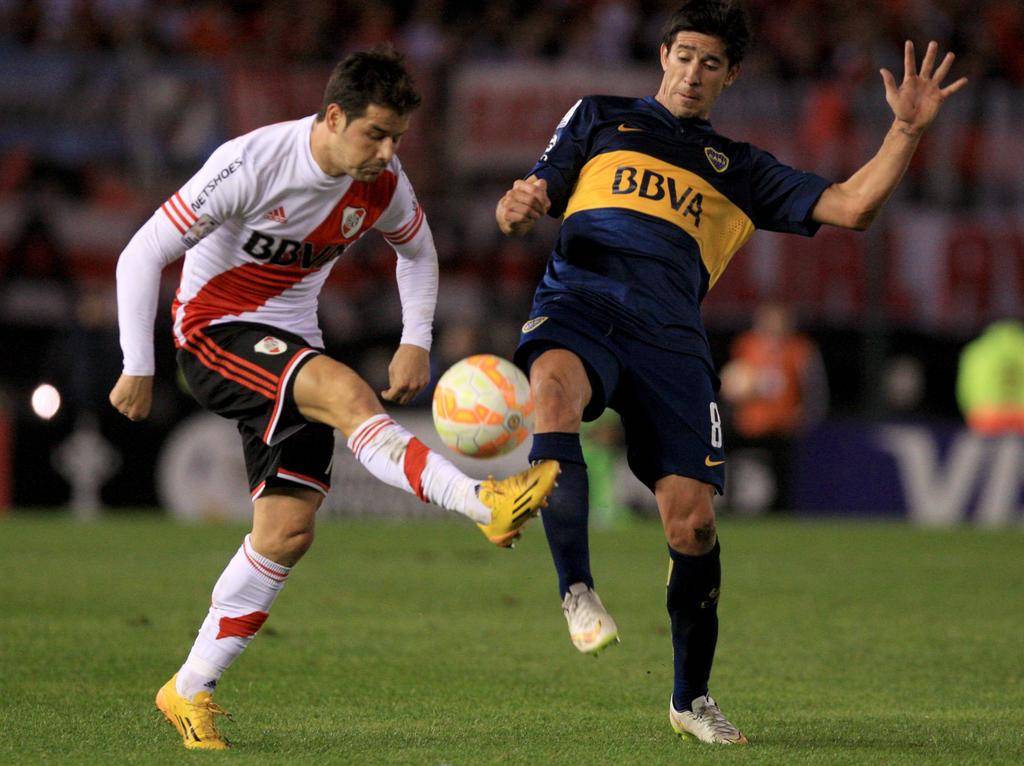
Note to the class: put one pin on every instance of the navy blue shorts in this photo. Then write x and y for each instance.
(666, 399)
(245, 372)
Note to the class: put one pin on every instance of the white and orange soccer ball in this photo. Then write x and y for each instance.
(482, 406)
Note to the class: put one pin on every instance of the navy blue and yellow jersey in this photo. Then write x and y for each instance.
(654, 208)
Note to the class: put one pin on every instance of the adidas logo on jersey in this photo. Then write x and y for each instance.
(277, 215)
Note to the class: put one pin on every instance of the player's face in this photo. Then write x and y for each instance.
(696, 71)
(363, 147)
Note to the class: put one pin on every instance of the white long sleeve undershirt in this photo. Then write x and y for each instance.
(417, 275)
(138, 291)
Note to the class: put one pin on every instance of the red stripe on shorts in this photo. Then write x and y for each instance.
(282, 384)
(302, 478)
(242, 363)
(210, 361)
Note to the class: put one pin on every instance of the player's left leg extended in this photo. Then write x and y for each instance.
(561, 391)
(694, 582)
(327, 391)
(282, 532)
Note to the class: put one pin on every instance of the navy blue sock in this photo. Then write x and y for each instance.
(565, 518)
(692, 600)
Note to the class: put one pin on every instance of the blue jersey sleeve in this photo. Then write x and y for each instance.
(565, 155)
(783, 197)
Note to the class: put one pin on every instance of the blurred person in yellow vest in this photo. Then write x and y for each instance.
(604, 445)
(990, 380)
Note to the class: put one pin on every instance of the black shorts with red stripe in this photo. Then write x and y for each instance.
(245, 372)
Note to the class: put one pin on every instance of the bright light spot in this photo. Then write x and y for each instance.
(46, 401)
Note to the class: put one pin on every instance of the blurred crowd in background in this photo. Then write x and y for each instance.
(109, 105)
(797, 39)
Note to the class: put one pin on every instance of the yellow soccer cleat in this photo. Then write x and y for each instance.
(193, 719)
(516, 500)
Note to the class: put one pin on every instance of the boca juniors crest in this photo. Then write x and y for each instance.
(352, 221)
(718, 160)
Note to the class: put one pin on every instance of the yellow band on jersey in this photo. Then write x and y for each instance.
(639, 182)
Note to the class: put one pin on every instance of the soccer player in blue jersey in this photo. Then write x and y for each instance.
(654, 204)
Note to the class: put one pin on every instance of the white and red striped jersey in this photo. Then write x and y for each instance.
(260, 226)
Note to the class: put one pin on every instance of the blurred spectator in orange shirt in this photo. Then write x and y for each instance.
(776, 387)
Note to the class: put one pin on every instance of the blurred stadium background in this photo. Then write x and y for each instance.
(109, 105)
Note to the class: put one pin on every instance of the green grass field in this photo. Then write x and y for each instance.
(417, 643)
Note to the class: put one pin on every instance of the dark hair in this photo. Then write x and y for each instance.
(725, 19)
(370, 77)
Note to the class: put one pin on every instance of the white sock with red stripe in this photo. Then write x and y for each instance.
(241, 602)
(398, 458)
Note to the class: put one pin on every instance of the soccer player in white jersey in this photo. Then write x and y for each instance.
(260, 226)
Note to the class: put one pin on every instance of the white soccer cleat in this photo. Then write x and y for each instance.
(591, 628)
(704, 721)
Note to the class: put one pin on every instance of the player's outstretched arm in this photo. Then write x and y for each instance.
(522, 206)
(915, 103)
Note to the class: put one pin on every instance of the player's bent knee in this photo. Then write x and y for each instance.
(561, 390)
(284, 544)
(692, 539)
(296, 543)
(350, 402)
(687, 514)
(326, 391)
(284, 523)
(552, 393)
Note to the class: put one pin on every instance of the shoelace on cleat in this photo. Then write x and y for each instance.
(215, 709)
(713, 717)
(494, 487)
(205, 726)
(584, 605)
